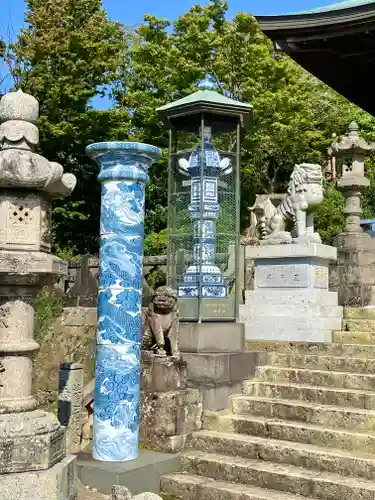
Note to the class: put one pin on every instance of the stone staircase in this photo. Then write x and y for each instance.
(303, 427)
(358, 327)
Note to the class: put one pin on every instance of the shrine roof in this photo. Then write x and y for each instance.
(346, 4)
(335, 43)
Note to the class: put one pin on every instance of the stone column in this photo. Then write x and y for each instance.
(123, 175)
(354, 276)
(70, 404)
(32, 442)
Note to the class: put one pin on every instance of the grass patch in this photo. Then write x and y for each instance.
(47, 309)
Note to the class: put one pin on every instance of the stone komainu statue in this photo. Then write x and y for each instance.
(161, 323)
(294, 216)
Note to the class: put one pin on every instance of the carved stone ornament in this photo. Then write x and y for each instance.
(20, 166)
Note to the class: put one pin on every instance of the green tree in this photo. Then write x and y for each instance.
(68, 54)
(294, 114)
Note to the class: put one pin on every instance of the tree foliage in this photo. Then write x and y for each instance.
(70, 52)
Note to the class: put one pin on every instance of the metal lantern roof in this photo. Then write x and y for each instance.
(215, 106)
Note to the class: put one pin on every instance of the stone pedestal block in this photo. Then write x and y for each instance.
(290, 300)
(169, 410)
(212, 337)
(57, 483)
(353, 277)
(217, 363)
(30, 441)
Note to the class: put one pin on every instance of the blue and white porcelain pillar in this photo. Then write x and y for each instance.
(123, 175)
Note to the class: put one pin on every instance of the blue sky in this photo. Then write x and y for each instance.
(131, 13)
(12, 10)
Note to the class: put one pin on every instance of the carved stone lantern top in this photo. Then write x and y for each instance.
(19, 106)
(28, 181)
(351, 143)
(351, 152)
(20, 166)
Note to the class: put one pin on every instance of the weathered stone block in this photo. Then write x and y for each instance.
(30, 441)
(70, 404)
(162, 374)
(194, 408)
(163, 414)
(354, 276)
(73, 316)
(57, 483)
(169, 411)
(215, 397)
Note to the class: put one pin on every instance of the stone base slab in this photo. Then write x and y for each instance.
(142, 474)
(30, 268)
(317, 298)
(295, 250)
(292, 322)
(286, 334)
(30, 441)
(57, 483)
(212, 337)
(309, 312)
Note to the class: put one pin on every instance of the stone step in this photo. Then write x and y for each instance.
(365, 338)
(298, 432)
(285, 452)
(336, 349)
(275, 476)
(351, 398)
(359, 312)
(320, 362)
(300, 411)
(191, 487)
(320, 378)
(358, 325)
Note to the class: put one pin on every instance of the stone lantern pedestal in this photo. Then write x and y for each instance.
(32, 442)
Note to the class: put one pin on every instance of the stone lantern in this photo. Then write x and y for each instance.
(351, 152)
(31, 440)
(354, 276)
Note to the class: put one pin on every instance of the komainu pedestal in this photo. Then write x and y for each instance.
(169, 409)
(291, 300)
